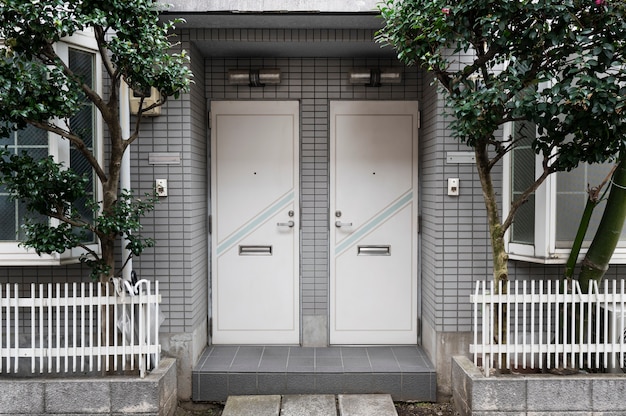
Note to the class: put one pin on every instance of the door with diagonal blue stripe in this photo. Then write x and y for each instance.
(373, 227)
(255, 233)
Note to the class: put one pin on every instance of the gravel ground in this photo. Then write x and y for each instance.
(403, 408)
(425, 409)
(199, 409)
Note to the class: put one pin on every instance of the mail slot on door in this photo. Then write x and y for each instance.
(374, 250)
(255, 250)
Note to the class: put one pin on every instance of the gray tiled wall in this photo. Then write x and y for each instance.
(179, 223)
(455, 245)
(455, 248)
(314, 82)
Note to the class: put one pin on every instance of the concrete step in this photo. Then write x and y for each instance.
(403, 371)
(311, 405)
(366, 405)
(252, 406)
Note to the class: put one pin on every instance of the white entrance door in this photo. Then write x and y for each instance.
(373, 229)
(255, 236)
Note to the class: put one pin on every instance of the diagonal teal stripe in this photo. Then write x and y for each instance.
(255, 223)
(373, 223)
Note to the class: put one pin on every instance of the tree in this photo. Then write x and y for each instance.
(596, 260)
(558, 64)
(39, 89)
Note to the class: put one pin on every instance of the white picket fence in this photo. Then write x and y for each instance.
(539, 321)
(63, 328)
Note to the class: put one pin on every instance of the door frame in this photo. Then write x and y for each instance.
(255, 107)
(374, 107)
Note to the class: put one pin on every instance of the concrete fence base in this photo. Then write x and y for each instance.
(537, 394)
(155, 394)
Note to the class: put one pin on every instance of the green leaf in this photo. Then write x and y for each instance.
(36, 87)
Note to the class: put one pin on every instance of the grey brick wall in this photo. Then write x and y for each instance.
(455, 245)
(197, 196)
(43, 274)
(179, 223)
(313, 81)
(454, 238)
(431, 199)
(455, 249)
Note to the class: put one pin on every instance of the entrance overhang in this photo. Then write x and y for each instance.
(273, 20)
(318, 44)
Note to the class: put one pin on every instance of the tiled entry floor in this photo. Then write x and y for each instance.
(402, 371)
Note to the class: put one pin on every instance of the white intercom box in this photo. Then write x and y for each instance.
(151, 97)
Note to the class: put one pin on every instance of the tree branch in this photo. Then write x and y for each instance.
(78, 143)
(89, 250)
(79, 224)
(516, 204)
(92, 95)
(70, 221)
(135, 134)
(500, 152)
(106, 59)
(121, 269)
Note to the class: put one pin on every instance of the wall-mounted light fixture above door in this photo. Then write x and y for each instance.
(254, 77)
(374, 77)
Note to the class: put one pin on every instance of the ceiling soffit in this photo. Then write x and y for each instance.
(282, 34)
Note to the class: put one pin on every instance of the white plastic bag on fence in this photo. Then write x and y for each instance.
(128, 322)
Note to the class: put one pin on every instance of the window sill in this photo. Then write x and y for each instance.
(619, 257)
(13, 255)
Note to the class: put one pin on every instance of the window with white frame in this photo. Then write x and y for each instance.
(79, 52)
(545, 227)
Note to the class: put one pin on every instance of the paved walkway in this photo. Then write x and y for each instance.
(311, 405)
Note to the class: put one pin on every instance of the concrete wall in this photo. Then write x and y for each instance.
(534, 395)
(273, 5)
(129, 395)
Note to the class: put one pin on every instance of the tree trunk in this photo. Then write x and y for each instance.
(110, 189)
(566, 282)
(580, 316)
(108, 329)
(596, 262)
(595, 196)
(496, 232)
(580, 237)
(500, 256)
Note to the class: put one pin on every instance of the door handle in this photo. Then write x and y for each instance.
(340, 224)
(286, 224)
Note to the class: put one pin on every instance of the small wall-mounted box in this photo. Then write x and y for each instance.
(453, 186)
(460, 157)
(161, 187)
(152, 96)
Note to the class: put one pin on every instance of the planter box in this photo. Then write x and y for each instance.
(156, 394)
(536, 394)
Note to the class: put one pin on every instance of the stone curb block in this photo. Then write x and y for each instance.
(156, 394)
(544, 394)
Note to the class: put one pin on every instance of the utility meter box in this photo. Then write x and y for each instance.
(151, 96)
